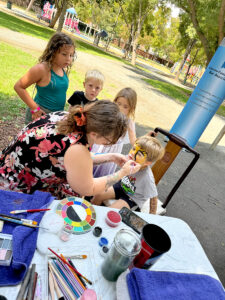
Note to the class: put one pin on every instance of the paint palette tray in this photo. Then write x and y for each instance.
(5, 249)
(78, 214)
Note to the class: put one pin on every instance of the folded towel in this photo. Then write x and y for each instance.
(153, 285)
(24, 238)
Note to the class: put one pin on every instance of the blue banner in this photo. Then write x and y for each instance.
(204, 101)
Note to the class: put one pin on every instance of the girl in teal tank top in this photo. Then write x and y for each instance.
(50, 77)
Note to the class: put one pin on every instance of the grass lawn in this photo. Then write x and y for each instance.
(170, 90)
(22, 26)
(18, 62)
(176, 92)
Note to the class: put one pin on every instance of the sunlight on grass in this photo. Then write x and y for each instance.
(170, 90)
(16, 64)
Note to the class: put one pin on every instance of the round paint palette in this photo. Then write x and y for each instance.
(78, 213)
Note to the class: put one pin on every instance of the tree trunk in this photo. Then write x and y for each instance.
(221, 22)
(134, 48)
(30, 5)
(201, 35)
(55, 19)
(187, 52)
(61, 18)
(187, 73)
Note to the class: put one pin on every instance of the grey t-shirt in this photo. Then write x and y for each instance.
(140, 186)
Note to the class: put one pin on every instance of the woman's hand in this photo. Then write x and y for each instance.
(119, 159)
(38, 114)
(152, 133)
(130, 167)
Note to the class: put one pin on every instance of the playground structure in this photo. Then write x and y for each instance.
(71, 20)
(194, 73)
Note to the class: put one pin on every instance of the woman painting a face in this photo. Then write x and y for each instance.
(52, 153)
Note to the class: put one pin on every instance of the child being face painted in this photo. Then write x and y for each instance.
(138, 154)
(146, 150)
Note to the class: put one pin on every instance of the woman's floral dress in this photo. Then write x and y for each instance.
(34, 160)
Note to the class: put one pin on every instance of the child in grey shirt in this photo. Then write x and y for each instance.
(132, 191)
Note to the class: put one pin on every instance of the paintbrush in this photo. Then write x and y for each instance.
(21, 223)
(28, 210)
(80, 278)
(65, 262)
(23, 220)
(77, 277)
(81, 256)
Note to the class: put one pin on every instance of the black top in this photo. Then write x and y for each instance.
(78, 98)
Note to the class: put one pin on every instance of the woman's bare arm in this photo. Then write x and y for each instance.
(79, 168)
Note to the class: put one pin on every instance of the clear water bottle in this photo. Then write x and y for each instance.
(125, 247)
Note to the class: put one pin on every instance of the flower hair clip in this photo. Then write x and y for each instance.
(80, 120)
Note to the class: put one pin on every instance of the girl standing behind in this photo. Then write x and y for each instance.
(50, 77)
(126, 99)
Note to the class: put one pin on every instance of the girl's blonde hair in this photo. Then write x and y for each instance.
(54, 44)
(102, 117)
(131, 97)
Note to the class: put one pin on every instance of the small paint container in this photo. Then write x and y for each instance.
(5, 249)
(66, 232)
(97, 231)
(103, 242)
(103, 251)
(113, 218)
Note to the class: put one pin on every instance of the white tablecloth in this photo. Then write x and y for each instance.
(186, 254)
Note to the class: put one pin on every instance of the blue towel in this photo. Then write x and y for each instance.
(24, 238)
(153, 285)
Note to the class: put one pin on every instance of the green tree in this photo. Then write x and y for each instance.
(205, 15)
(135, 13)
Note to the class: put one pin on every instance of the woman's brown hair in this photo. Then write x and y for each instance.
(102, 117)
(54, 44)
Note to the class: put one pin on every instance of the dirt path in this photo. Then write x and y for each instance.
(153, 109)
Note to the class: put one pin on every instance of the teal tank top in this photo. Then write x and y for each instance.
(53, 95)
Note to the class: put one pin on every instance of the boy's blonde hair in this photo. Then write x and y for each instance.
(94, 74)
(131, 97)
(152, 147)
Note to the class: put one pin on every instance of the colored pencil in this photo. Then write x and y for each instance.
(81, 279)
(59, 265)
(81, 287)
(23, 220)
(65, 262)
(57, 289)
(61, 280)
(28, 210)
(51, 286)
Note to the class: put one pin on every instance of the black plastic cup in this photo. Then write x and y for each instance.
(155, 242)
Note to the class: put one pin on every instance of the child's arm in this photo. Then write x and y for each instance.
(34, 75)
(153, 205)
(131, 132)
